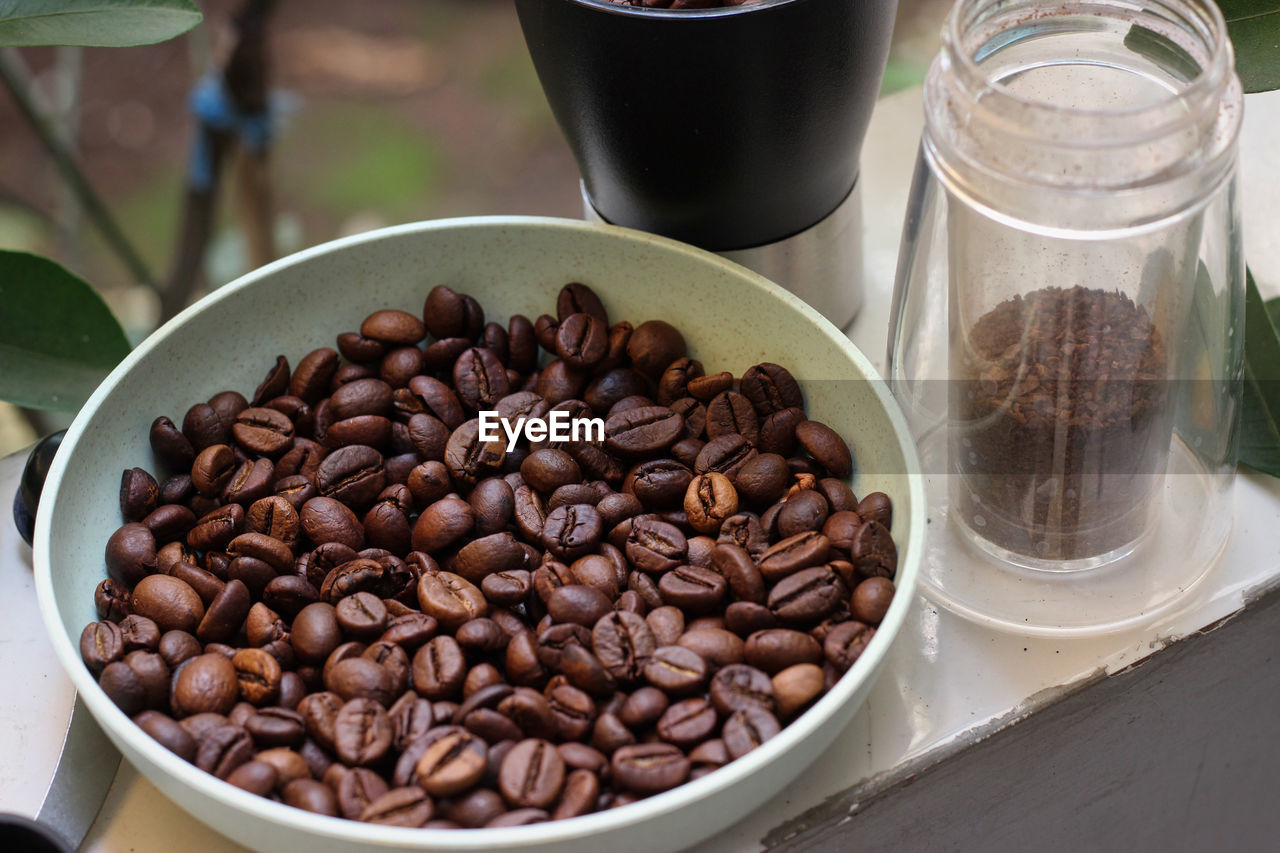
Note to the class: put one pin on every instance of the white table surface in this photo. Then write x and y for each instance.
(947, 682)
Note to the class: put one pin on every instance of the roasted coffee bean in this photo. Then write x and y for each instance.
(676, 670)
(841, 528)
(315, 632)
(807, 597)
(439, 668)
(310, 795)
(168, 733)
(585, 671)
(468, 458)
(725, 454)
(442, 524)
(675, 379)
(692, 589)
(666, 623)
(360, 678)
(111, 600)
(609, 734)
(262, 547)
(532, 774)
(357, 789)
(258, 674)
(450, 599)
(170, 603)
(579, 795)
(408, 806)
(170, 445)
(740, 572)
(582, 340)
(655, 546)
(708, 501)
(599, 573)
(845, 643)
(730, 412)
(203, 427)
(213, 468)
(827, 447)
(101, 643)
(223, 750)
(763, 480)
(654, 345)
(354, 475)
(138, 494)
(498, 552)
(548, 469)
(572, 711)
(745, 618)
(139, 633)
(745, 531)
(479, 378)
(794, 553)
(205, 683)
(362, 732)
(771, 388)
(275, 383)
(776, 649)
(737, 686)
(643, 707)
(717, 646)
(361, 615)
(877, 507)
(276, 726)
(169, 522)
(213, 531)
(325, 519)
(873, 552)
(493, 503)
(658, 484)
(131, 554)
(804, 511)
(642, 431)
(578, 604)
(871, 600)
(623, 643)
(393, 327)
(649, 768)
(263, 430)
(747, 728)
(572, 531)
(226, 614)
(178, 646)
(687, 722)
(577, 298)
(454, 761)
(795, 687)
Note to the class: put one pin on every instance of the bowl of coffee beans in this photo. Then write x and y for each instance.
(482, 534)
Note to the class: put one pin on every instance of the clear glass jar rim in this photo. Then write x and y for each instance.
(1214, 75)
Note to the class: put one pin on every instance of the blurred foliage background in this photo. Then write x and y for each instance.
(391, 111)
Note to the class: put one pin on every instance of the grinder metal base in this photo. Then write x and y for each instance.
(821, 264)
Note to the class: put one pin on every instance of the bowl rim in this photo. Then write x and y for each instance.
(121, 728)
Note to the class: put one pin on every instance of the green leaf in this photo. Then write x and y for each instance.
(58, 339)
(1260, 427)
(94, 23)
(1273, 309)
(1254, 27)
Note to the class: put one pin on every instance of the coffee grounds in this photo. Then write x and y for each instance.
(1062, 426)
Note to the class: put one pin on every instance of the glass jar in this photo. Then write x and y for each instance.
(1064, 336)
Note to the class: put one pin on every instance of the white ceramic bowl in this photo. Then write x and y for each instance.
(732, 319)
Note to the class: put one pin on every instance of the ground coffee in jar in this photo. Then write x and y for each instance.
(1061, 428)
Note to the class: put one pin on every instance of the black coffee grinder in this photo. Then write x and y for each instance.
(737, 129)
